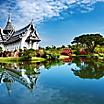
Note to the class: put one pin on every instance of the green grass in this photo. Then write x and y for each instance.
(14, 59)
(37, 59)
(63, 57)
(84, 55)
(8, 59)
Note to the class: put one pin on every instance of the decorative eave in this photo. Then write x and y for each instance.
(12, 40)
(32, 38)
(2, 34)
(21, 31)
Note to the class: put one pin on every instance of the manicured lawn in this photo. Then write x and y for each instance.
(7, 59)
(16, 59)
(63, 57)
(38, 59)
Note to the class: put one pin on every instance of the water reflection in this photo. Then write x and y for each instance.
(15, 72)
(88, 68)
(27, 74)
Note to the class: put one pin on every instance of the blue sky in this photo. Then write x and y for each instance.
(57, 21)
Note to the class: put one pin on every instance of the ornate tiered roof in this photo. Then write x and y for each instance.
(9, 27)
(8, 35)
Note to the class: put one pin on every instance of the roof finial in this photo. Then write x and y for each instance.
(9, 17)
(31, 21)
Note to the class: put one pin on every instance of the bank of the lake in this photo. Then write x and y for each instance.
(18, 59)
(40, 59)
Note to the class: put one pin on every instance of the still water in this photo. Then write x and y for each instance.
(71, 81)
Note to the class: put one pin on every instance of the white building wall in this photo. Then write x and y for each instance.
(23, 43)
(36, 45)
(29, 45)
(13, 46)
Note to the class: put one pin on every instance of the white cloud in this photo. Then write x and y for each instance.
(25, 10)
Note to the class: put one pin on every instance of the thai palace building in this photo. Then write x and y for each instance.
(11, 39)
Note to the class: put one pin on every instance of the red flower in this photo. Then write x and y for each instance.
(66, 52)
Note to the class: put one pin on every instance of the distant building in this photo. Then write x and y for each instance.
(11, 39)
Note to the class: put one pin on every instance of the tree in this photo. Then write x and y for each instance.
(47, 48)
(89, 41)
(69, 46)
(53, 47)
(62, 46)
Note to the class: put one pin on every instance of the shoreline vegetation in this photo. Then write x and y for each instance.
(86, 46)
(40, 59)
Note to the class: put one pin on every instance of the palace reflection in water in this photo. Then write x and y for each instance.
(27, 74)
(11, 73)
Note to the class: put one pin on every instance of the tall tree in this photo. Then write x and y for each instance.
(89, 41)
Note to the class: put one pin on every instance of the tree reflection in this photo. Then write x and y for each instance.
(25, 73)
(50, 63)
(89, 68)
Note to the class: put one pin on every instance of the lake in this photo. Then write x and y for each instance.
(70, 81)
